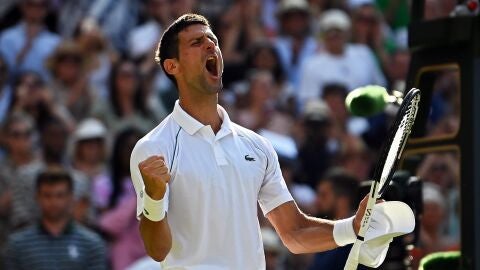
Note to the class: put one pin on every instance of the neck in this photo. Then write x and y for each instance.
(55, 227)
(203, 109)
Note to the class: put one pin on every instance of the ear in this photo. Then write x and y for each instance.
(171, 66)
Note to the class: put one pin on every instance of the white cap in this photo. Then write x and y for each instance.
(292, 5)
(316, 109)
(389, 219)
(334, 19)
(90, 128)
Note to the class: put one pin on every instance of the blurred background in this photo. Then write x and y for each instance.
(78, 88)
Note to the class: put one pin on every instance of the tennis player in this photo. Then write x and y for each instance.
(199, 176)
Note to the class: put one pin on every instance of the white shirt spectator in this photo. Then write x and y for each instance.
(216, 182)
(356, 67)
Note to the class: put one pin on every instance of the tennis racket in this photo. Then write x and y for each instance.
(390, 155)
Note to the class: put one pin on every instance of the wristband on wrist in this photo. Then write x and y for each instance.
(343, 232)
(154, 210)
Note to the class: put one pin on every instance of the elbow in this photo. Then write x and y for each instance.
(291, 243)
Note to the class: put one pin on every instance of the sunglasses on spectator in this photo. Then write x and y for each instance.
(366, 19)
(37, 4)
(20, 134)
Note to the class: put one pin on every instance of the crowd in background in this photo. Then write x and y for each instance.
(79, 86)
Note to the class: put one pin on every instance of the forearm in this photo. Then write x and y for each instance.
(303, 234)
(157, 238)
(313, 235)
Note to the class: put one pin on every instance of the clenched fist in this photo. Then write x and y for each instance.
(155, 176)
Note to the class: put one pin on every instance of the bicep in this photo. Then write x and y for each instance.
(286, 218)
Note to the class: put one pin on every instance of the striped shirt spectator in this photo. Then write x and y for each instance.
(36, 248)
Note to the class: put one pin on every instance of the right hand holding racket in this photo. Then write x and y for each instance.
(155, 176)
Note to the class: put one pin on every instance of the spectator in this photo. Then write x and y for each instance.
(239, 28)
(348, 64)
(119, 221)
(127, 104)
(149, 33)
(435, 211)
(116, 18)
(98, 55)
(70, 80)
(53, 136)
(260, 111)
(56, 238)
(295, 43)
(89, 148)
(337, 194)
(314, 154)
(31, 96)
(370, 29)
(19, 169)
(28, 44)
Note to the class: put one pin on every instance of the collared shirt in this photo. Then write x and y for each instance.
(36, 249)
(216, 182)
(12, 41)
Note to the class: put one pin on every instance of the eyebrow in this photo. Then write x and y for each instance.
(209, 35)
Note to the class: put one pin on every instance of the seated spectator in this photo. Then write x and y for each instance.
(98, 56)
(28, 44)
(119, 221)
(295, 44)
(337, 193)
(128, 103)
(19, 168)
(31, 96)
(56, 240)
(338, 61)
(259, 109)
(69, 83)
(89, 148)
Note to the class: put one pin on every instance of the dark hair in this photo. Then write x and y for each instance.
(343, 184)
(334, 89)
(168, 45)
(119, 171)
(255, 49)
(139, 100)
(54, 176)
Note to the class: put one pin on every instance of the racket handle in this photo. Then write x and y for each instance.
(352, 261)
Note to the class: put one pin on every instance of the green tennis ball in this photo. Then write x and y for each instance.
(367, 101)
(441, 261)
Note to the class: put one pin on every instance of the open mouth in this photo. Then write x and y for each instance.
(211, 66)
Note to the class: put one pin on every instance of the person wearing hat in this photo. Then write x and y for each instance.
(338, 61)
(69, 84)
(89, 147)
(295, 42)
(26, 45)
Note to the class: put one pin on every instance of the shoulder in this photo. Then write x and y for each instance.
(253, 138)
(10, 33)
(158, 140)
(24, 236)
(87, 235)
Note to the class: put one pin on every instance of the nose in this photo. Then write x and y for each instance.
(210, 45)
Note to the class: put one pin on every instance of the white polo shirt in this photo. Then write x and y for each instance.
(216, 182)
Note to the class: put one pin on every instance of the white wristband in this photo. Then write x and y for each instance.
(154, 210)
(343, 232)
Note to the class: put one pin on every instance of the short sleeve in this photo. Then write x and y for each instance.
(274, 191)
(143, 150)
